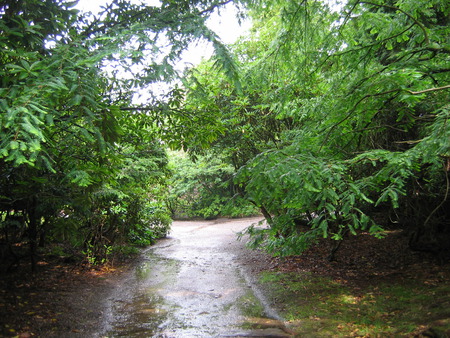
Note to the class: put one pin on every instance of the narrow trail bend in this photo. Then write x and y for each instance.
(192, 285)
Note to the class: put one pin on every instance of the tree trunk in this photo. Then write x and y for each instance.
(332, 255)
(266, 215)
(32, 232)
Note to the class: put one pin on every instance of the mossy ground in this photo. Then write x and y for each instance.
(318, 306)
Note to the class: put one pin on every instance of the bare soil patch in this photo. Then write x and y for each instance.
(59, 299)
(365, 260)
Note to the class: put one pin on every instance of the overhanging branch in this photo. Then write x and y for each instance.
(428, 90)
(422, 27)
(380, 94)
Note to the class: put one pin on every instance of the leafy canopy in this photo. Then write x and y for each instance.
(340, 117)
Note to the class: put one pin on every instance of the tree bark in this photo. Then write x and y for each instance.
(32, 232)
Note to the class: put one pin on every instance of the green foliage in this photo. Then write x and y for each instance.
(329, 118)
(341, 117)
(127, 209)
(79, 163)
(319, 193)
(204, 188)
(154, 224)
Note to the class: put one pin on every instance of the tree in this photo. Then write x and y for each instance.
(78, 160)
(404, 110)
(361, 98)
(371, 139)
(50, 99)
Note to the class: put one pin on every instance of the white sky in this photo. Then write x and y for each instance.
(226, 26)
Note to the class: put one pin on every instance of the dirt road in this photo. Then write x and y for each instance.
(192, 284)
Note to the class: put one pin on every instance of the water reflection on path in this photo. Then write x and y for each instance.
(190, 285)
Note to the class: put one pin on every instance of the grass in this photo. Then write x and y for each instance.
(321, 307)
(250, 306)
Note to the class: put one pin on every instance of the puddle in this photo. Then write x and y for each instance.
(190, 286)
(137, 308)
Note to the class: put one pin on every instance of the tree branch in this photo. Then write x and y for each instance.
(428, 90)
(353, 110)
(214, 6)
(422, 27)
(139, 108)
(442, 202)
(374, 43)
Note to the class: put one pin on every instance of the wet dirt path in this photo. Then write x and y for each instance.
(192, 285)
